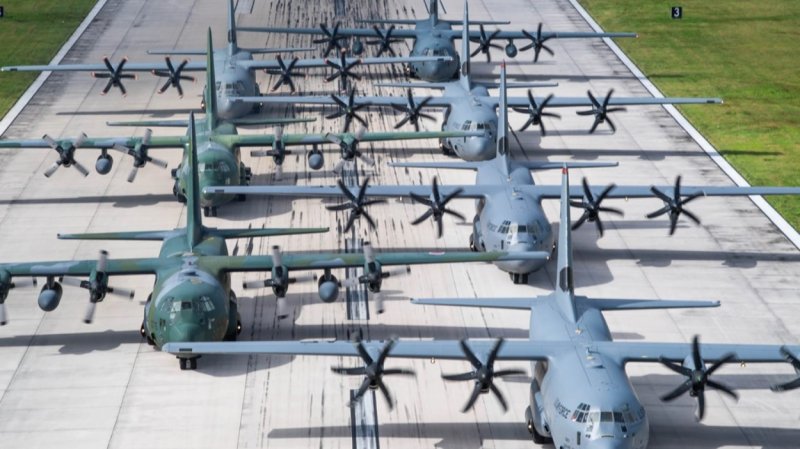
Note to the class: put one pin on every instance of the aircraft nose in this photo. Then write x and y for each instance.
(520, 266)
(609, 443)
(479, 149)
(183, 332)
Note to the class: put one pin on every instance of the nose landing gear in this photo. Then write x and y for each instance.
(519, 278)
(188, 364)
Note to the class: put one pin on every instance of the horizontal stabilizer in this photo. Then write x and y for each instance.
(140, 235)
(641, 304)
(559, 165)
(269, 121)
(495, 303)
(265, 232)
(494, 85)
(413, 85)
(152, 123)
(440, 165)
(255, 51)
(388, 21)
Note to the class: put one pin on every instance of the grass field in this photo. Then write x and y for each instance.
(745, 52)
(31, 32)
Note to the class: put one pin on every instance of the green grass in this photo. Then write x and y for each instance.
(31, 32)
(745, 52)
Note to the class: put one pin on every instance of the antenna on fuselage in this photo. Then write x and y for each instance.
(463, 73)
(232, 47)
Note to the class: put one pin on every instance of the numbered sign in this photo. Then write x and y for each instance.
(677, 12)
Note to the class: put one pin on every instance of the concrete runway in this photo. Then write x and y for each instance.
(66, 384)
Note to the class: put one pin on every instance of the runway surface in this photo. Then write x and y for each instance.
(66, 384)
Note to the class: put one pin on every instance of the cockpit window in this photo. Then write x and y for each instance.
(466, 125)
(219, 166)
(206, 305)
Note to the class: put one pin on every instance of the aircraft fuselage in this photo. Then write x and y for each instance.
(218, 165)
(508, 220)
(233, 81)
(190, 302)
(433, 43)
(466, 113)
(601, 410)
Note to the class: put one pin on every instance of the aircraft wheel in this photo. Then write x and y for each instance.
(241, 197)
(182, 363)
(206, 211)
(472, 246)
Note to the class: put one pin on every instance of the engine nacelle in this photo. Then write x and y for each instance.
(511, 50)
(315, 159)
(50, 296)
(328, 288)
(104, 164)
(358, 47)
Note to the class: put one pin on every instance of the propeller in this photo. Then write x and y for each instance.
(592, 208)
(342, 69)
(66, 154)
(356, 204)
(348, 146)
(285, 73)
(98, 287)
(373, 276)
(384, 40)
(373, 372)
(600, 111)
(675, 205)
(483, 374)
(348, 109)
(791, 358)
(436, 206)
(485, 43)
(114, 75)
(412, 111)
(139, 154)
(173, 76)
(536, 112)
(537, 43)
(331, 39)
(278, 152)
(697, 378)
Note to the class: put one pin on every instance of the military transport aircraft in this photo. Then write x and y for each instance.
(509, 214)
(192, 299)
(468, 106)
(220, 157)
(432, 37)
(235, 72)
(581, 396)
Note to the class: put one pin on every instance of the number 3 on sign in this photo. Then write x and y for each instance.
(677, 12)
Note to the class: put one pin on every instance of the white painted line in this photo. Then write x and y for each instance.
(34, 87)
(712, 152)
(364, 421)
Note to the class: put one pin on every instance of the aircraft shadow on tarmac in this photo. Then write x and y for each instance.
(77, 343)
(472, 434)
(121, 201)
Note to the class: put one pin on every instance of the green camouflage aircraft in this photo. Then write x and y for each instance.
(192, 298)
(219, 146)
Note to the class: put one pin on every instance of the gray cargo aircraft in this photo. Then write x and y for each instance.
(432, 37)
(235, 73)
(580, 396)
(509, 214)
(468, 106)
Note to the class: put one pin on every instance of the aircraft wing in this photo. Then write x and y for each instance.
(101, 67)
(432, 349)
(467, 191)
(80, 267)
(323, 62)
(96, 142)
(502, 34)
(441, 102)
(567, 102)
(324, 261)
(331, 138)
(360, 32)
(625, 352)
(554, 191)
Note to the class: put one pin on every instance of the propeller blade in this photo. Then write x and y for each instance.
(88, 316)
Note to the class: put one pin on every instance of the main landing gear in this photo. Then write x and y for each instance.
(210, 211)
(188, 364)
(519, 278)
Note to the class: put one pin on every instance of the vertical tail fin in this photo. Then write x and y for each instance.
(502, 122)
(565, 287)
(194, 221)
(463, 73)
(231, 27)
(433, 11)
(211, 85)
